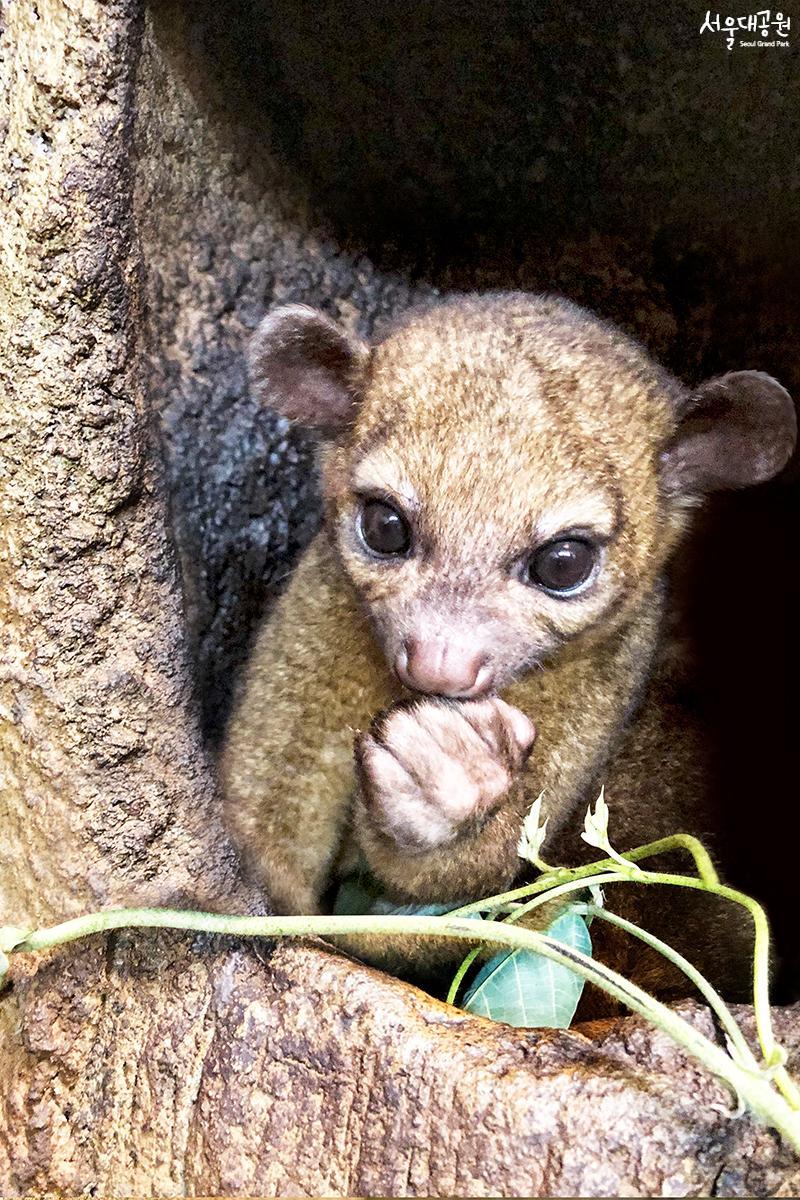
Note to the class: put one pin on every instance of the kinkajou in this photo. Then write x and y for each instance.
(505, 477)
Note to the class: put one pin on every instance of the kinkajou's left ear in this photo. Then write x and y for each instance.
(304, 366)
(734, 431)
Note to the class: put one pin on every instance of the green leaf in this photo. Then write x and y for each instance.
(359, 895)
(12, 936)
(382, 908)
(525, 989)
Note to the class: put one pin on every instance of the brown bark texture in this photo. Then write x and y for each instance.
(106, 789)
(155, 1066)
(163, 173)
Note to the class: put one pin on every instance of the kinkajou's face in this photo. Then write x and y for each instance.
(505, 475)
(491, 509)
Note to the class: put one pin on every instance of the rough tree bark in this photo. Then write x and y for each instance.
(148, 219)
(106, 787)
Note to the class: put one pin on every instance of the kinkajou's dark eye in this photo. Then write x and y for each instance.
(383, 529)
(562, 567)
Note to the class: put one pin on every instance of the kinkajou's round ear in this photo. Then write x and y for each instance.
(304, 366)
(734, 431)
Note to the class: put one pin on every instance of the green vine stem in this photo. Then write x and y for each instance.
(678, 841)
(756, 1090)
(563, 879)
(710, 994)
(772, 1052)
(460, 973)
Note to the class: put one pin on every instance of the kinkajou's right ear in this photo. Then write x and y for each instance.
(307, 368)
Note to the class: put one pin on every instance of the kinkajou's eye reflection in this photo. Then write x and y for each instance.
(562, 566)
(384, 530)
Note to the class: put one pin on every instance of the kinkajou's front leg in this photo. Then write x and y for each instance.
(440, 798)
(287, 771)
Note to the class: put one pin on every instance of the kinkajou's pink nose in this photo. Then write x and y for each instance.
(441, 667)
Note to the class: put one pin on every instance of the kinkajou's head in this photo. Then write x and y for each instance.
(505, 474)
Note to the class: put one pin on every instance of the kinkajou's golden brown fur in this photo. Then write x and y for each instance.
(505, 478)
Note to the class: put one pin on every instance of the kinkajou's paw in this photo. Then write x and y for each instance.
(427, 770)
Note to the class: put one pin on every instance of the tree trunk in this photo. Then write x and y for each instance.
(151, 1067)
(149, 511)
(106, 788)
